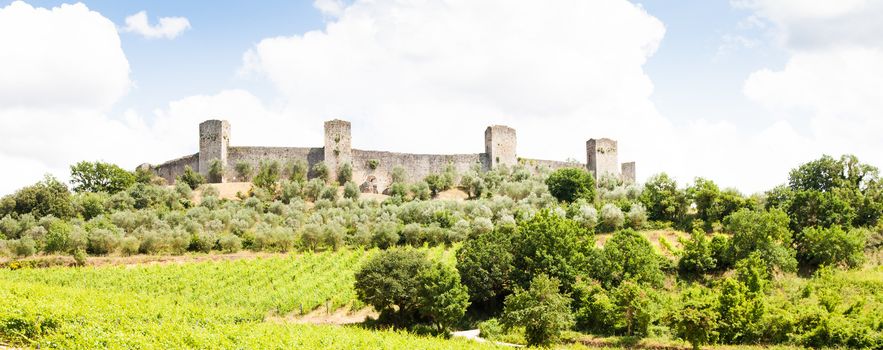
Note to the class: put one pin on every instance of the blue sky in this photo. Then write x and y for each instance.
(738, 91)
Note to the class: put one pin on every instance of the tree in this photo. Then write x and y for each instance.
(636, 307)
(351, 190)
(267, 176)
(485, 265)
(696, 319)
(628, 256)
(299, 171)
(191, 178)
(443, 299)
(741, 313)
(243, 171)
(321, 171)
(832, 246)
(697, 257)
(712, 204)
(570, 184)
(100, 177)
(345, 173)
(389, 282)
(215, 171)
(549, 244)
(765, 232)
(663, 200)
(47, 197)
(541, 309)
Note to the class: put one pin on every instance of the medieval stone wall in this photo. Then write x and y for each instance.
(255, 155)
(601, 157)
(171, 169)
(372, 169)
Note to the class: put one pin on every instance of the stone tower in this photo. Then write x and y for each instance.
(214, 138)
(628, 172)
(338, 145)
(499, 144)
(601, 157)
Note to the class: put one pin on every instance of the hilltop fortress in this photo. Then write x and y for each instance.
(372, 169)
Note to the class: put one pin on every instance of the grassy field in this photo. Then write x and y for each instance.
(206, 305)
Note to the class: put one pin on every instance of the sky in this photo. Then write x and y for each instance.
(737, 91)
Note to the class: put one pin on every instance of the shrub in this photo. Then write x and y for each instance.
(351, 190)
(636, 307)
(215, 171)
(321, 171)
(386, 234)
(741, 313)
(100, 177)
(398, 174)
(230, 243)
(697, 257)
(611, 217)
(47, 197)
(765, 232)
(243, 170)
(129, 245)
(398, 189)
(90, 205)
(443, 299)
(24, 246)
(290, 190)
(329, 193)
(345, 173)
(570, 184)
(191, 178)
(413, 234)
(697, 318)
(663, 200)
(299, 170)
(595, 308)
(627, 255)
(102, 241)
(548, 244)
(313, 189)
(267, 176)
(541, 309)
(420, 190)
(58, 237)
(832, 246)
(485, 266)
(637, 216)
(389, 282)
(373, 163)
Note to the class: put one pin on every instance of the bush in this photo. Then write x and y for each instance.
(697, 318)
(47, 197)
(765, 232)
(832, 246)
(541, 310)
(313, 189)
(215, 171)
(191, 178)
(386, 234)
(58, 237)
(627, 255)
(345, 173)
(290, 190)
(595, 308)
(485, 265)
(443, 299)
(102, 241)
(243, 171)
(23, 247)
(697, 257)
(267, 176)
(611, 217)
(420, 190)
(129, 245)
(663, 200)
(548, 244)
(100, 177)
(321, 171)
(90, 205)
(389, 283)
(230, 243)
(398, 174)
(637, 216)
(570, 184)
(636, 308)
(351, 191)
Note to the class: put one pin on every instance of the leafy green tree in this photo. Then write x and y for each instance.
(389, 282)
(420, 191)
(485, 265)
(663, 200)
(299, 170)
(549, 244)
(267, 176)
(765, 232)
(398, 174)
(47, 197)
(697, 317)
(832, 246)
(90, 204)
(712, 204)
(636, 307)
(321, 171)
(542, 310)
(741, 313)
(697, 258)
(627, 255)
(570, 184)
(100, 177)
(243, 171)
(595, 308)
(345, 173)
(443, 299)
(351, 190)
(191, 178)
(215, 171)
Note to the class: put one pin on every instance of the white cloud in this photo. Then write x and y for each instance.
(833, 80)
(168, 27)
(332, 8)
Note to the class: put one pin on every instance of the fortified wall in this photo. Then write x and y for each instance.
(372, 169)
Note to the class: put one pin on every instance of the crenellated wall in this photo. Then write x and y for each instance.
(372, 169)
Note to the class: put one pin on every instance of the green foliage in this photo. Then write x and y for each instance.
(485, 266)
(243, 171)
(741, 313)
(90, 205)
(390, 283)
(542, 310)
(443, 299)
(663, 200)
(440, 182)
(47, 197)
(299, 170)
(636, 308)
(322, 172)
(351, 190)
(267, 176)
(100, 177)
(373, 163)
(712, 204)
(595, 308)
(612, 217)
(191, 178)
(832, 246)
(398, 174)
(697, 317)
(420, 191)
(570, 184)
(215, 171)
(627, 255)
(697, 258)
(345, 173)
(548, 244)
(765, 232)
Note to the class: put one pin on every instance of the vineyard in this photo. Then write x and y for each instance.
(196, 305)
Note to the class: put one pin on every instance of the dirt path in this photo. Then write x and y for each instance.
(319, 316)
(474, 335)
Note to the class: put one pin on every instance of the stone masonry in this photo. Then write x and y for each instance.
(372, 169)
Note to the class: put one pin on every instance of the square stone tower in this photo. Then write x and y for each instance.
(214, 138)
(499, 144)
(601, 157)
(628, 172)
(338, 145)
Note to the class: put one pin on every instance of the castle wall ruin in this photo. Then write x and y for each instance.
(372, 169)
